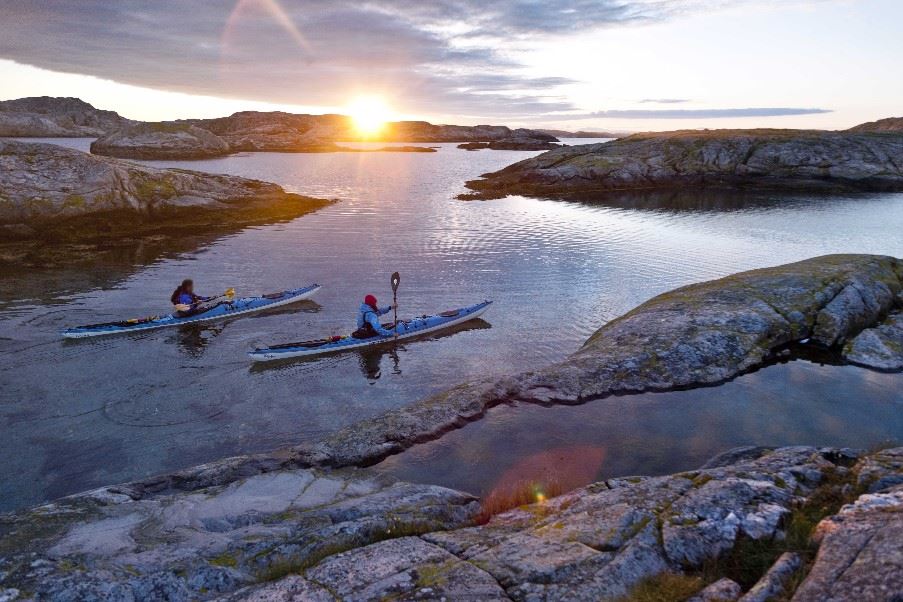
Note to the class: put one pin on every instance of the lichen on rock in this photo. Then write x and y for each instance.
(764, 159)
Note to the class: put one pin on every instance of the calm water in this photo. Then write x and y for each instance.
(798, 403)
(79, 414)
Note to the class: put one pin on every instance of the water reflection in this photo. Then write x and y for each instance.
(193, 339)
(709, 200)
(795, 403)
(370, 359)
(556, 270)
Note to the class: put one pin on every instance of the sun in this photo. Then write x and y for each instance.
(369, 114)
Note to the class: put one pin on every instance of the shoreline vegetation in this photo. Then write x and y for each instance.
(297, 520)
(60, 206)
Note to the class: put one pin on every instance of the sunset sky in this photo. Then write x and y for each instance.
(603, 64)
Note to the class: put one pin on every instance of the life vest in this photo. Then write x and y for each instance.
(365, 331)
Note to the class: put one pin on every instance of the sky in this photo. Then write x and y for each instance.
(616, 65)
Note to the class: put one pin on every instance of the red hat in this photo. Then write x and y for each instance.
(370, 300)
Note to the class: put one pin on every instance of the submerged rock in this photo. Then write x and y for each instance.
(49, 116)
(785, 159)
(164, 140)
(880, 347)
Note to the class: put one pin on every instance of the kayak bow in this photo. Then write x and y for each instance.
(227, 309)
(412, 328)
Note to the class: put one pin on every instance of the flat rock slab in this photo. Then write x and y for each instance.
(213, 541)
(352, 535)
(860, 556)
(879, 347)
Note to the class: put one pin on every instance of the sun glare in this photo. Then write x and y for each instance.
(370, 114)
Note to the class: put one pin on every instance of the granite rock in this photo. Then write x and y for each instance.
(161, 141)
(764, 159)
(55, 117)
(879, 347)
(48, 182)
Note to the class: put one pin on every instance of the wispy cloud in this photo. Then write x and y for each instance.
(663, 101)
(691, 113)
(448, 55)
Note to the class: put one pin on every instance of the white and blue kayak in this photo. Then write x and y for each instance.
(226, 309)
(411, 328)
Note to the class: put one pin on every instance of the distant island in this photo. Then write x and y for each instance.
(582, 134)
(274, 131)
(748, 159)
(888, 125)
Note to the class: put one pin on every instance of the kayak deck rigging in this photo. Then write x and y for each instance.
(225, 309)
(411, 328)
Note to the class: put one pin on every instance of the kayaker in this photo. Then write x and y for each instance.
(184, 298)
(368, 319)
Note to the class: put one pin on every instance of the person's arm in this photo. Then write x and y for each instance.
(384, 310)
(373, 320)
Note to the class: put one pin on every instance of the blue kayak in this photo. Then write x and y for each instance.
(411, 328)
(227, 309)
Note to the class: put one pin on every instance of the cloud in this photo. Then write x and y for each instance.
(690, 113)
(664, 101)
(444, 56)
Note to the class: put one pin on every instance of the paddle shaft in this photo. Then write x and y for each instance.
(395, 281)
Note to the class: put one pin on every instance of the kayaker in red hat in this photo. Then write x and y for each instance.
(368, 319)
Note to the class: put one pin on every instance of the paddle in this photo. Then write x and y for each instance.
(202, 306)
(396, 279)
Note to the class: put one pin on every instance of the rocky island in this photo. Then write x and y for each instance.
(288, 132)
(48, 116)
(748, 159)
(51, 196)
(163, 140)
(890, 124)
(308, 523)
(256, 131)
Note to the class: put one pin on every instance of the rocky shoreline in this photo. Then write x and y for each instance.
(307, 522)
(799, 522)
(54, 199)
(799, 160)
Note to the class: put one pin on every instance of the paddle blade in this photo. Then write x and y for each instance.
(396, 279)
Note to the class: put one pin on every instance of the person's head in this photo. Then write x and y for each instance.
(370, 300)
(187, 285)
